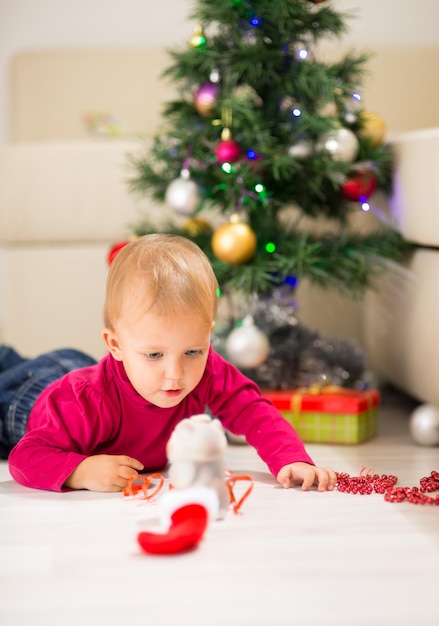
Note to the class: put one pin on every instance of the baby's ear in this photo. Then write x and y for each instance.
(111, 340)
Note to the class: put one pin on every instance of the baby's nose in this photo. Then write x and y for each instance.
(174, 369)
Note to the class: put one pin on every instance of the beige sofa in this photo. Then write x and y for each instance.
(401, 322)
(64, 200)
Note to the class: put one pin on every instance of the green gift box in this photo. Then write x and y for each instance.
(329, 414)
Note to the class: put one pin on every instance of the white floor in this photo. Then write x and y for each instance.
(289, 558)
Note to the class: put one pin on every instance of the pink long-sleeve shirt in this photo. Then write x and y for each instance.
(95, 410)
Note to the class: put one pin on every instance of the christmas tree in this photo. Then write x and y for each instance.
(265, 137)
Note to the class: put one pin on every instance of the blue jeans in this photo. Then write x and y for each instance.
(21, 382)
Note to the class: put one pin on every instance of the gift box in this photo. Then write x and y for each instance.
(329, 414)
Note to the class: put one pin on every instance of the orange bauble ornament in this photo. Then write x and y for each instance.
(234, 242)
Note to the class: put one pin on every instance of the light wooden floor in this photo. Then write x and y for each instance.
(290, 558)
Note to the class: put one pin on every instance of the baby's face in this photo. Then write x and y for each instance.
(164, 356)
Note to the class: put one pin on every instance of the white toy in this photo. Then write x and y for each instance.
(195, 451)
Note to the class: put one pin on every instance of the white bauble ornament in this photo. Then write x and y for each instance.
(215, 76)
(183, 194)
(424, 425)
(341, 143)
(302, 149)
(350, 117)
(247, 346)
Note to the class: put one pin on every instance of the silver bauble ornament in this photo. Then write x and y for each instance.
(341, 143)
(183, 194)
(246, 345)
(424, 425)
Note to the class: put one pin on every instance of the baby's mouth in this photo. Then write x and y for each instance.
(171, 393)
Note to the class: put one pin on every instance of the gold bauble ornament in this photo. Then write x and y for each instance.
(198, 40)
(196, 226)
(234, 242)
(373, 127)
(245, 94)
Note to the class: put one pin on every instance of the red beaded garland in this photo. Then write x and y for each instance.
(365, 484)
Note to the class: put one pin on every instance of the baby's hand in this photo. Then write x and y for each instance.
(307, 476)
(104, 472)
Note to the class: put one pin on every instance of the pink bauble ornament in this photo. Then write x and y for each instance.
(227, 151)
(205, 99)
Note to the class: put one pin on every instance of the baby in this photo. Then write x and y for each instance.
(98, 426)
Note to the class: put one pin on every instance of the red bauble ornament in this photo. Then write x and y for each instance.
(256, 163)
(227, 151)
(359, 186)
(115, 248)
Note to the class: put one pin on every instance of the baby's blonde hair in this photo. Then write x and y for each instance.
(166, 272)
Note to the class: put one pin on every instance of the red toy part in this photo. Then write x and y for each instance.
(134, 489)
(115, 248)
(188, 525)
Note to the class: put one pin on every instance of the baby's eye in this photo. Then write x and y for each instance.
(193, 352)
(153, 356)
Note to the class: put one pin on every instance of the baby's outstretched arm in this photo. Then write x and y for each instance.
(104, 472)
(307, 475)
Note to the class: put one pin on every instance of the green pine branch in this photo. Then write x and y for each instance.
(261, 81)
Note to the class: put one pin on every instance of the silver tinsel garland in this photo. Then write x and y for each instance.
(299, 356)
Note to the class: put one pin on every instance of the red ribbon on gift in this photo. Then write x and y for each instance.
(332, 399)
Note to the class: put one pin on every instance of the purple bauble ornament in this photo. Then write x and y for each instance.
(205, 99)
